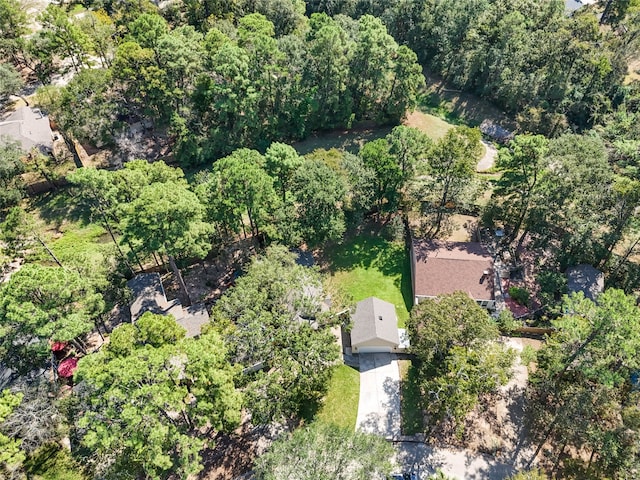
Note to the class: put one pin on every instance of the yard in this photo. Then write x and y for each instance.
(412, 420)
(367, 265)
(340, 406)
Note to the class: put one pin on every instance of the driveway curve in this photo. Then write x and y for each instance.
(488, 160)
(379, 404)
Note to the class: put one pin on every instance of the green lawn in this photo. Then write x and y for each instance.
(370, 266)
(340, 406)
(412, 421)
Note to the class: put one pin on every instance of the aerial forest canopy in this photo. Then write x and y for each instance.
(217, 76)
(222, 125)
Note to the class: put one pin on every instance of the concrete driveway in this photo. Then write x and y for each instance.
(425, 460)
(379, 405)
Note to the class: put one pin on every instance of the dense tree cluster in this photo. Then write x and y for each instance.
(326, 452)
(455, 342)
(147, 399)
(217, 85)
(582, 395)
(528, 57)
(282, 333)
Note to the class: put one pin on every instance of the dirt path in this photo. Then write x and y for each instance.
(488, 160)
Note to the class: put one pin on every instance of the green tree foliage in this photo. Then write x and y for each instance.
(83, 108)
(167, 218)
(280, 332)
(322, 452)
(376, 155)
(65, 38)
(11, 455)
(150, 396)
(580, 396)
(522, 164)
(221, 87)
(527, 57)
(452, 162)
(281, 163)
(11, 167)
(319, 193)
(535, 474)
(101, 30)
(239, 186)
(10, 81)
(454, 340)
(42, 304)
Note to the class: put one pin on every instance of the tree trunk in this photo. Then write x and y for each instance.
(69, 142)
(135, 256)
(183, 286)
(46, 247)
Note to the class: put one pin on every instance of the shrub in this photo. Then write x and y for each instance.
(519, 295)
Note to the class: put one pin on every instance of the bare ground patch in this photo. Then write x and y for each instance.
(496, 425)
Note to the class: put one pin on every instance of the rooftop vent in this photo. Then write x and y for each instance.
(380, 317)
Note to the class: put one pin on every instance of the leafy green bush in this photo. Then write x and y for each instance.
(506, 322)
(519, 295)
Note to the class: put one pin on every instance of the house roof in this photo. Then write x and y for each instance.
(445, 267)
(571, 6)
(586, 279)
(495, 131)
(149, 296)
(29, 127)
(374, 321)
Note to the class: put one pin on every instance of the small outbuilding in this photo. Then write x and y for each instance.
(375, 327)
(586, 279)
(149, 296)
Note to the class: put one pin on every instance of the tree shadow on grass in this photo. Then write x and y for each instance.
(368, 251)
(60, 206)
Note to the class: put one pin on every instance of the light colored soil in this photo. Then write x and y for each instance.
(495, 427)
(463, 228)
(488, 160)
(634, 71)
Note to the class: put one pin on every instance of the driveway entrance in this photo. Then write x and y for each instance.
(379, 405)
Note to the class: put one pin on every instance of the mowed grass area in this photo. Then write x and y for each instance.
(434, 127)
(340, 406)
(368, 265)
(412, 420)
(352, 140)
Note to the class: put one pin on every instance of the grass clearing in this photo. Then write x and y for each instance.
(340, 406)
(367, 265)
(348, 140)
(412, 420)
(434, 127)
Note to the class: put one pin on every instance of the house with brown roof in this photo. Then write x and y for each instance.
(439, 268)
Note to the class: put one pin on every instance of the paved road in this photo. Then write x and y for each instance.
(425, 460)
(379, 405)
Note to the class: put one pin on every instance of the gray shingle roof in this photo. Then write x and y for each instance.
(149, 296)
(586, 279)
(29, 127)
(374, 321)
